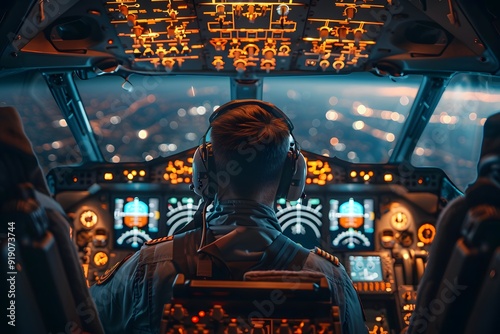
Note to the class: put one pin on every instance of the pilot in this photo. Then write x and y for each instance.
(250, 160)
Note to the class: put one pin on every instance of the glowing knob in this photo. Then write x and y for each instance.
(168, 63)
(240, 65)
(283, 10)
(124, 10)
(218, 63)
(350, 12)
(338, 65)
(101, 259)
(324, 64)
(88, 218)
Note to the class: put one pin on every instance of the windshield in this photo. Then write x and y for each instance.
(452, 139)
(356, 118)
(150, 116)
(45, 126)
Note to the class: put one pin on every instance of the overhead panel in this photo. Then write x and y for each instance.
(264, 36)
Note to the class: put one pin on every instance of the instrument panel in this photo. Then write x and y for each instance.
(378, 219)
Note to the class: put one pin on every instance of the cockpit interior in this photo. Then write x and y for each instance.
(388, 99)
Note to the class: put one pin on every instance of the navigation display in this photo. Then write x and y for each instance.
(180, 211)
(365, 268)
(352, 224)
(135, 221)
(301, 220)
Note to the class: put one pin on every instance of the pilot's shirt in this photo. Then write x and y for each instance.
(132, 298)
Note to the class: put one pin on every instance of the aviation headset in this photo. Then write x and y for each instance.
(293, 173)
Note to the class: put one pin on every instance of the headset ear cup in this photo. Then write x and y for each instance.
(200, 172)
(298, 181)
(293, 177)
(204, 170)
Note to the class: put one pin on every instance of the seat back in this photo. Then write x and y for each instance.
(51, 272)
(453, 290)
(266, 302)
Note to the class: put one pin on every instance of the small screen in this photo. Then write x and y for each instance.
(365, 268)
(351, 224)
(135, 221)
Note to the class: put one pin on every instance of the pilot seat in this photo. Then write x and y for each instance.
(460, 288)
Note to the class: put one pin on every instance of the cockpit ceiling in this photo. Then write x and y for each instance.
(390, 37)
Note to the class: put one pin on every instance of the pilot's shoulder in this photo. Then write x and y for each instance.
(158, 240)
(324, 254)
(108, 274)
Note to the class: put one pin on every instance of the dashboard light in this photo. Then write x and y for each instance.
(134, 172)
(125, 172)
(195, 319)
(201, 313)
(362, 173)
(142, 173)
(108, 176)
(420, 244)
(366, 177)
(370, 173)
(75, 179)
(353, 174)
(130, 176)
(388, 177)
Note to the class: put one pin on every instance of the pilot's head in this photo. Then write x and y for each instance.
(251, 154)
(255, 140)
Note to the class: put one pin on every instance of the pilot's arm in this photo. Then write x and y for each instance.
(114, 296)
(131, 296)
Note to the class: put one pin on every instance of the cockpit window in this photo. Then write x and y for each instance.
(43, 122)
(452, 139)
(356, 118)
(147, 117)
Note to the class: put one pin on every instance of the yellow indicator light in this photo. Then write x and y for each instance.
(362, 173)
(142, 173)
(388, 177)
(134, 172)
(101, 259)
(353, 174)
(366, 177)
(420, 244)
(108, 176)
(370, 173)
(130, 176)
(125, 172)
